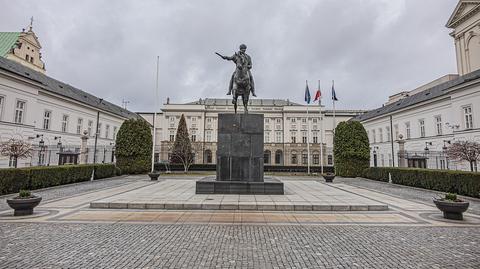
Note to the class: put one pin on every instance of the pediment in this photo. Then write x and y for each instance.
(463, 10)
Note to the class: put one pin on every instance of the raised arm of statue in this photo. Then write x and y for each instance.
(225, 57)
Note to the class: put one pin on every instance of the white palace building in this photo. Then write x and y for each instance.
(286, 129)
(50, 114)
(428, 119)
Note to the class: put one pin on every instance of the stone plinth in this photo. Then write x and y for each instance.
(240, 147)
(239, 158)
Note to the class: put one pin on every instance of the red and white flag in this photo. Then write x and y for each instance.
(318, 94)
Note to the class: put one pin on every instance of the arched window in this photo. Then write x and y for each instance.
(278, 157)
(266, 156)
(294, 158)
(208, 156)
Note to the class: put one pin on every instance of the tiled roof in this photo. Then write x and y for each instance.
(57, 87)
(423, 96)
(252, 102)
(7, 41)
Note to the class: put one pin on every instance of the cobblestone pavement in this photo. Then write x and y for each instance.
(215, 246)
(73, 189)
(404, 192)
(75, 236)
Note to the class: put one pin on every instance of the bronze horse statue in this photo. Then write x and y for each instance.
(241, 82)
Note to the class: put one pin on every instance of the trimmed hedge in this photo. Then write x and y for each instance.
(350, 149)
(459, 182)
(31, 178)
(134, 147)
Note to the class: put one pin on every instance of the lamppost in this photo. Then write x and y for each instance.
(96, 139)
(427, 150)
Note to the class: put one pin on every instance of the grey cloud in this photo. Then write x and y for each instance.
(371, 48)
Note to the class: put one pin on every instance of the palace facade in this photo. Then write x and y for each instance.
(287, 128)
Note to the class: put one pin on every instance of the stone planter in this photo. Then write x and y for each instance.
(451, 210)
(154, 175)
(24, 206)
(329, 177)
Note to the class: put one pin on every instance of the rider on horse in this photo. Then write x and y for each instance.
(244, 60)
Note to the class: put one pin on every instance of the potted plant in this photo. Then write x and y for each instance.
(451, 206)
(154, 175)
(329, 177)
(24, 203)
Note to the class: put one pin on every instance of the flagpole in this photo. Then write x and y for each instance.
(308, 136)
(155, 119)
(321, 129)
(333, 100)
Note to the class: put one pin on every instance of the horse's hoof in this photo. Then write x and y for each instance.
(229, 93)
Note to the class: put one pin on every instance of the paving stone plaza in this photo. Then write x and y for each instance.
(111, 224)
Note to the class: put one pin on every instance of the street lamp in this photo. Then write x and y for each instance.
(59, 138)
(444, 144)
(426, 147)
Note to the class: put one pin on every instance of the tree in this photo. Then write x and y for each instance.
(16, 149)
(465, 151)
(133, 147)
(182, 150)
(351, 149)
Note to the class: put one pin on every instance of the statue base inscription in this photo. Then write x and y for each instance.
(239, 158)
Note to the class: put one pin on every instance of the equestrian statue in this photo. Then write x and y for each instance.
(241, 82)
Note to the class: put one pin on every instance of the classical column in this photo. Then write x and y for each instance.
(83, 148)
(401, 151)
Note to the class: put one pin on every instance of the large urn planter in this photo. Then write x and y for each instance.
(451, 207)
(329, 177)
(24, 203)
(154, 175)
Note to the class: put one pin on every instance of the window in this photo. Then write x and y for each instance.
(304, 137)
(421, 123)
(374, 135)
(65, 123)
(294, 158)
(194, 119)
(194, 126)
(114, 132)
(19, 111)
(314, 120)
(279, 120)
(107, 131)
(267, 120)
(387, 133)
(315, 137)
(47, 115)
(172, 135)
(395, 127)
(316, 158)
(27, 57)
(41, 157)
(380, 135)
(172, 122)
(278, 156)
(194, 136)
(2, 101)
(293, 137)
(266, 156)
(267, 137)
(467, 115)
(12, 162)
(31, 60)
(79, 125)
(304, 120)
(208, 136)
(293, 120)
(438, 125)
(208, 156)
(90, 127)
(304, 158)
(278, 137)
(329, 159)
(407, 130)
(209, 123)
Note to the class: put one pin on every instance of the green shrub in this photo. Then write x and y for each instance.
(134, 147)
(351, 149)
(24, 194)
(460, 182)
(451, 197)
(15, 179)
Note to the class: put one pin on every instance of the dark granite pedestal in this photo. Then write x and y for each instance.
(239, 158)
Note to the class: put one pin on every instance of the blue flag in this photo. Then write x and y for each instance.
(334, 96)
(307, 94)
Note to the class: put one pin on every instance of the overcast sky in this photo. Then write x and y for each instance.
(371, 48)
